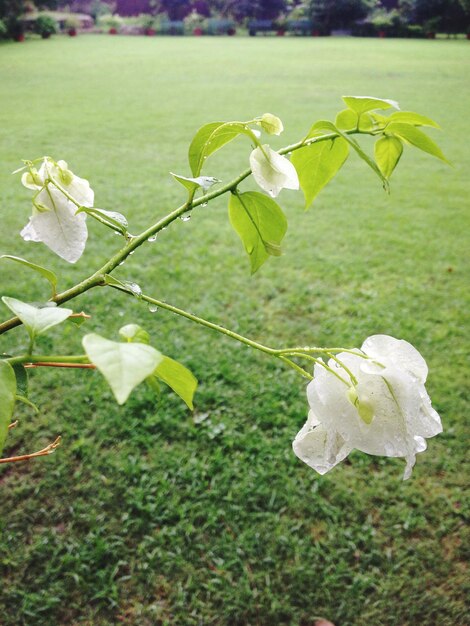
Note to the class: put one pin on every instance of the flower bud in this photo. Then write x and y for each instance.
(271, 124)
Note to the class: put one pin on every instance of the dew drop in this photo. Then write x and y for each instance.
(122, 263)
(132, 252)
(204, 204)
(135, 288)
(152, 238)
(153, 308)
(185, 218)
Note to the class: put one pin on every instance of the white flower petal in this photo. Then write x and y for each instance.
(60, 229)
(29, 234)
(392, 395)
(319, 448)
(397, 351)
(272, 171)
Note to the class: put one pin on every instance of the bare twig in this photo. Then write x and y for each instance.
(25, 457)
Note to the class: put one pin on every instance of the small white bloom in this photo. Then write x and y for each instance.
(59, 227)
(55, 221)
(272, 171)
(77, 187)
(387, 413)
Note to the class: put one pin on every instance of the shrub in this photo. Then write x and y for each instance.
(45, 26)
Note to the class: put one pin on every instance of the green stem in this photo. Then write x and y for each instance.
(220, 329)
(41, 358)
(97, 278)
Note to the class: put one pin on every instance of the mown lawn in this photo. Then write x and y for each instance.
(150, 516)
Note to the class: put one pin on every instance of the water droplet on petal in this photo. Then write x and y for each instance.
(153, 308)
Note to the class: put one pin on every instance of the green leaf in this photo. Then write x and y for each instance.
(134, 333)
(124, 285)
(48, 275)
(21, 379)
(317, 163)
(178, 377)
(366, 123)
(191, 184)
(323, 127)
(211, 138)
(260, 224)
(124, 365)
(7, 399)
(347, 119)
(362, 104)
(388, 151)
(28, 402)
(37, 321)
(416, 138)
(408, 117)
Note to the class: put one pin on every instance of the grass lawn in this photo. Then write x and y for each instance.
(147, 516)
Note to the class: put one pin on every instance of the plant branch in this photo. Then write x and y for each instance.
(97, 278)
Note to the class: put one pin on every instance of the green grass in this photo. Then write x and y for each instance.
(145, 517)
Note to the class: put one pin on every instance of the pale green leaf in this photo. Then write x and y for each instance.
(191, 184)
(211, 138)
(124, 365)
(347, 119)
(366, 123)
(388, 151)
(48, 275)
(416, 138)
(113, 219)
(7, 399)
(408, 117)
(134, 333)
(37, 321)
(324, 127)
(317, 163)
(260, 224)
(123, 285)
(362, 104)
(178, 377)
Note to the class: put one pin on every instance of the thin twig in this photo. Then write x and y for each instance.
(25, 457)
(13, 424)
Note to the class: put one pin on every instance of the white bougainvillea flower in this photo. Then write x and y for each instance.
(272, 171)
(55, 221)
(57, 225)
(387, 412)
(77, 187)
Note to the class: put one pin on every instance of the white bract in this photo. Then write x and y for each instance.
(55, 221)
(272, 171)
(386, 412)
